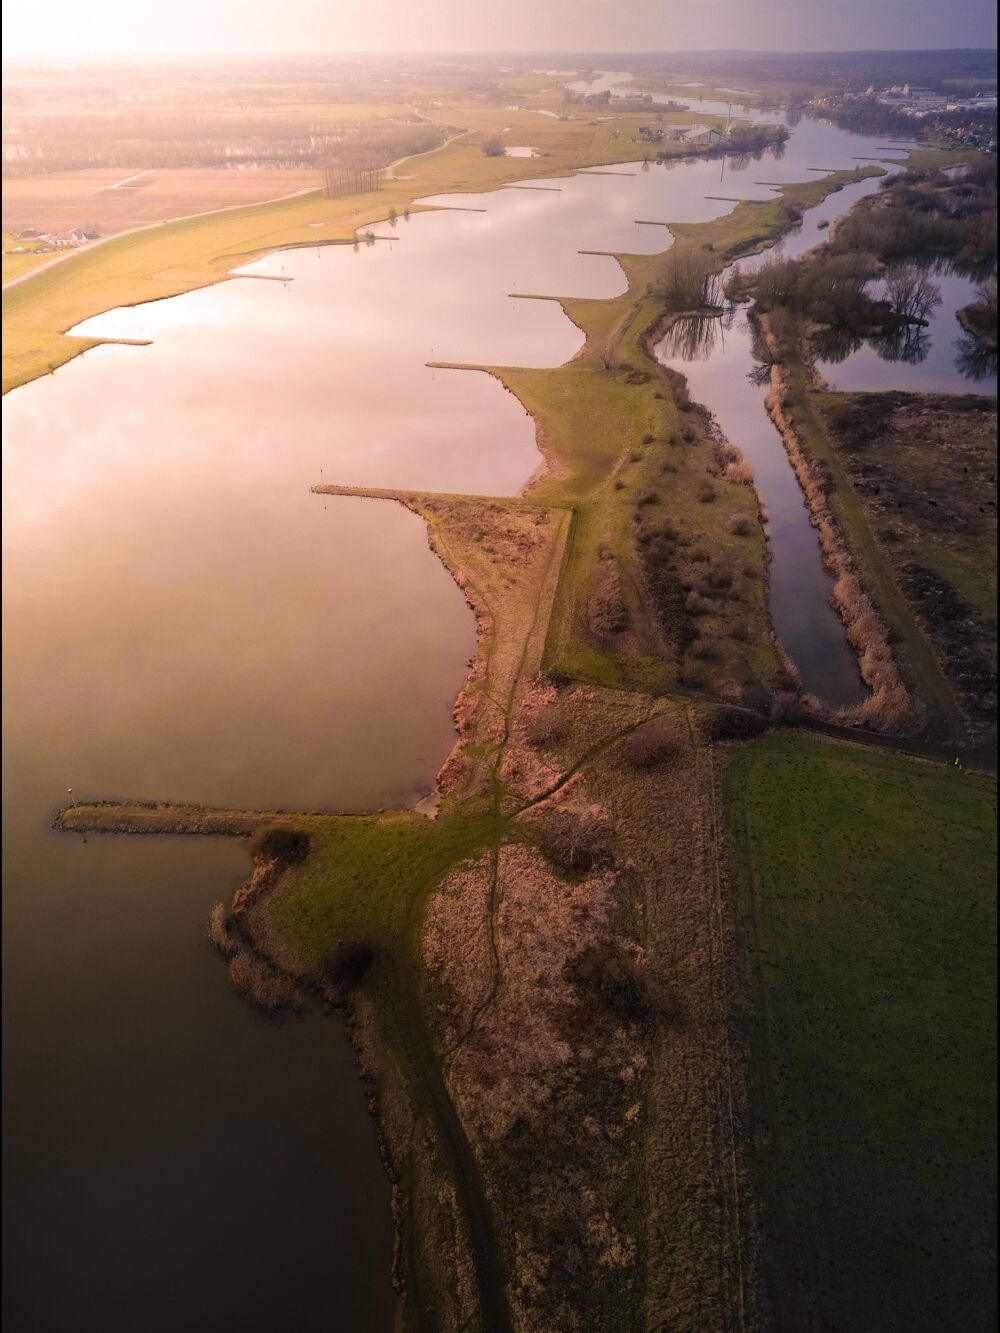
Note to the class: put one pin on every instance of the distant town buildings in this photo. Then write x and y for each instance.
(923, 101)
(970, 121)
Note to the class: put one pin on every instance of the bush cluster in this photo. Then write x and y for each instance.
(280, 842)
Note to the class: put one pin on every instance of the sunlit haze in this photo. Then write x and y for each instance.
(114, 29)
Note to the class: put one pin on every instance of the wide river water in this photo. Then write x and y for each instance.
(186, 621)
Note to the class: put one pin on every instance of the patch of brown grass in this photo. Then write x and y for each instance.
(260, 983)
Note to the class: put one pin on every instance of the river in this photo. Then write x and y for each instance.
(186, 621)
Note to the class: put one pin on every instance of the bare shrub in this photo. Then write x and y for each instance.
(575, 842)
(648, 498)
(980, 317)
(740, 526)
(280, 842)
(697, 605)
(705, 493)
(741, 473)
(649, 745)
(678, 388)
(693, 676)
(219, 931)
(911, 293)
(647, 438)
(607, 610)
(259, 982)
(546, 725)
(703, 650)
(690, 281)
(492, 146)
(728, 453)
(720, 577)
(734, 724)
(347, 965)
(621, 984)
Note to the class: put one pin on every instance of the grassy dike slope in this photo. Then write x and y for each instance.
(870, 901)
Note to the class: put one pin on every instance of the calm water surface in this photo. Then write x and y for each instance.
(938, 359)
(620, 83)
(185, 621)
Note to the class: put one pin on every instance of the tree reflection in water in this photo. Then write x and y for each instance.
(974, 362)
(693, 337)
(909, 344)
(834, 343)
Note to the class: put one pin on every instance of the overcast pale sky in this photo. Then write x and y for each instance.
(89, 29)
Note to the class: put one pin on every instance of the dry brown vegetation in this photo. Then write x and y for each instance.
(94, 199)
(262, 984)
(545, 724)
(924, 468)
(607, 609)
(701, 1237)
(505, 556)
(219, 931)
(555, 977)
(649, 745)
(547, 1079)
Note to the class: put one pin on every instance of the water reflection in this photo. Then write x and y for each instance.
(974, 361)
(938, 358)
(692, 338)
(835, 343)
(909, 345)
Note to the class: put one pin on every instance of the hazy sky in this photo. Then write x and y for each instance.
(109, 28)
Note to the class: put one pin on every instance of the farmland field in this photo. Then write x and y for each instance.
(870, 893)
(111, 199)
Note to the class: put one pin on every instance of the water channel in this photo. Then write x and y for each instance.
(186, 621)
(718, 358)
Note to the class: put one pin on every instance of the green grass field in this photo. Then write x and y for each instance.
(870, 886)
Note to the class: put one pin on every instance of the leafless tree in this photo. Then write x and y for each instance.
(911, 293)
(690, 282)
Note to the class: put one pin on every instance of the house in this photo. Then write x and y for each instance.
(699, 136)
(67, 240)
